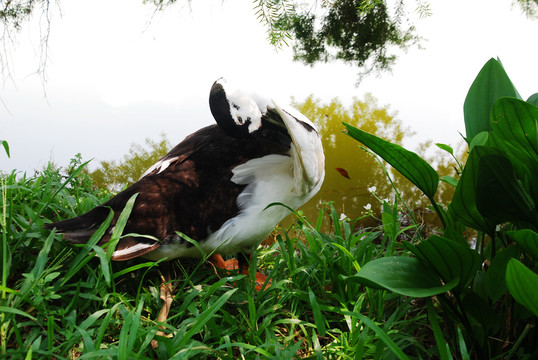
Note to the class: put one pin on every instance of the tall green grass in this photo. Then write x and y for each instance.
(62, 301)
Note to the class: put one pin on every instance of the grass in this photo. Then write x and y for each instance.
(61, 301)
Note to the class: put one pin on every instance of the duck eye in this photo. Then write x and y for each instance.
(240, 120)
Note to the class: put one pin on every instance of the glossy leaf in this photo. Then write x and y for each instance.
(463, 206)
(495, 276)
(409, 164)
(403, 275)
(450, 180)
(500, 197)
(482, 311)
(527, 240)
(445, 147)
(490, 84)
(514, 126)
(533, 99)
(450, 259)
(389, 218)
(523, 285)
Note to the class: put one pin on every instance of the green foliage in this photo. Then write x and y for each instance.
(409, 164)
(353, 178)
(379, 292)
(115, 176)
(357, 32)
(15, 13)
(61, 301)
(277, 16)
(491, 83)
(495, 196)
(529, 7)
(349, 175)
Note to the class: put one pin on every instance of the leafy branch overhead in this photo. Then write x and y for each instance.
(361, 33)
(358, 32)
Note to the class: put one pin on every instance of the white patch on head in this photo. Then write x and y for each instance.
(243, 106)
(245, 110)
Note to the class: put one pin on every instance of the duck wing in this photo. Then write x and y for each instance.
(189, 190)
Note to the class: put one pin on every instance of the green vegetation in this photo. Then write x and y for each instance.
(484, 295)
(353, 178)
(381, 292)
(64, 301)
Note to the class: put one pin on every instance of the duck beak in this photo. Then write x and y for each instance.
(306, 149)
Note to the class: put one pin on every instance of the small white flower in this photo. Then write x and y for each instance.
(343, 217)
(368, 206)
(372, 189)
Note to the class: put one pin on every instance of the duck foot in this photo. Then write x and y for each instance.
(234, 264)
(166, 296)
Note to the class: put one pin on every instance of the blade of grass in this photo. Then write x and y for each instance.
(120, 225)
(437, 332)
(11, 310)
(319, 319)
(48, 201)
(380, 333)
(84, 255)
(463, 348)
(206, 316)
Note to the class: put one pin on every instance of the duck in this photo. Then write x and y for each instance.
(215, 186)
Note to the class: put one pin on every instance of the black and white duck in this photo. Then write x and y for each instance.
(216, 184)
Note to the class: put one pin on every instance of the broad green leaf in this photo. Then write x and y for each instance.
(463, 206)
(495, 283)
(490, 84)
(479, 139)
(526, 239)
(500, 197)
(477, 307)
(409, 164)
(514, 126)
(533, 99)
(450, 259)
(523, 285)
(403, 275)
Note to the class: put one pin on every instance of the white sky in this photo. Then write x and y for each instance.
(116, 75)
